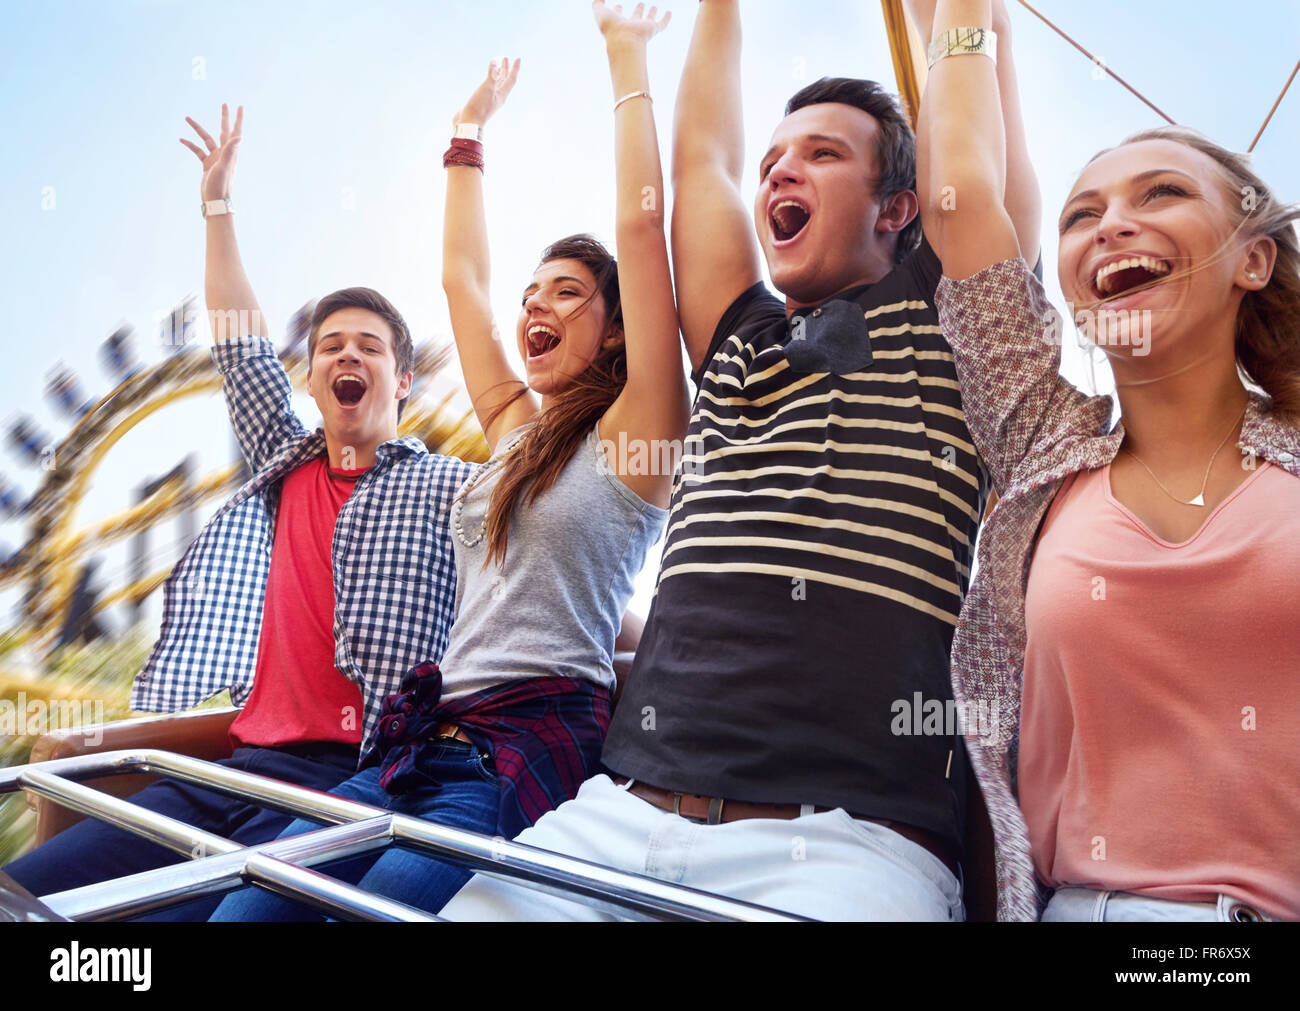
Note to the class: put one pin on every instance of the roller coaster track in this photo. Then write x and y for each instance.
(49, 562)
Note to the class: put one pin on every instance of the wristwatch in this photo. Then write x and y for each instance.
(211, 208)
(963, 42)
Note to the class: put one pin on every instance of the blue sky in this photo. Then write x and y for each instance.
(347, 112)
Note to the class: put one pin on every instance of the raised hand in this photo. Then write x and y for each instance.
(640, 27)
(219, 159)
(489, 96)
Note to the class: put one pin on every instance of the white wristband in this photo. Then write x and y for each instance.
(213, 208)
(469, 131)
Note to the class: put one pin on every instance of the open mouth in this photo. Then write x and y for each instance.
(1122, 277)
(541, 340)
(789, 218)
(349, 390)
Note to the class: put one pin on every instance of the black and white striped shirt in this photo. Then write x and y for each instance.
(817, 552)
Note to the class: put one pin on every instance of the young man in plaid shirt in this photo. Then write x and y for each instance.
(327, 576)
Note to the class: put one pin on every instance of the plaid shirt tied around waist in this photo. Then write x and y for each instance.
(544, 736)
(1033, 430)
(394, 572)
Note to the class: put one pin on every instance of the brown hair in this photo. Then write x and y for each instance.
(1268, 320)
(535, 463)
(895, 142)
(366, 298)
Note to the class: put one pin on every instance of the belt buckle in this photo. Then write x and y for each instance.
(715, 809)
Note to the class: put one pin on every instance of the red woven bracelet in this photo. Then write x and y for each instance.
(464, 151)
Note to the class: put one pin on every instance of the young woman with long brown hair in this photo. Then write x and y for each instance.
(1133, 620)
(551, 533)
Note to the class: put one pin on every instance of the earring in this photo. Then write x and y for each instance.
(1252, 275)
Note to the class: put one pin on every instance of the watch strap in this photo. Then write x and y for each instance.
(963, 42)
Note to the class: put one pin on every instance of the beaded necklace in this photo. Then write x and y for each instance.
(458, 506)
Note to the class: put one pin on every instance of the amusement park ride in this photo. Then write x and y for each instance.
(57, 607)
(55, 563)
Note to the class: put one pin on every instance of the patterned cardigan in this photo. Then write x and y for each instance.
(1033, 430)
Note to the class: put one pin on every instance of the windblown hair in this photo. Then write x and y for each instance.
(895, 142)
(366, 298)
(535, 463)
(1268, 320)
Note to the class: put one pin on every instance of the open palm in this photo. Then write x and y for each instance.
(641, 26)
(219, 158)
(489, 96)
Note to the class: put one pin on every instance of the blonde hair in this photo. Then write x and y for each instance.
(1268, 320)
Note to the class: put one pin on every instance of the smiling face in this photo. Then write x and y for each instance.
(1149, 227)
(353, 379)
(819, 223)
(563, 325)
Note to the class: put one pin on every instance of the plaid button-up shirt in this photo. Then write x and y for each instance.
(394, 572)
(1033, 429)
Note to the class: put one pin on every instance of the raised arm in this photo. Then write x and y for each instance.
(715, 251)
(232, 307)
(653, 405)
(1004, 332)
(1021, 197)
(259, 396)
(962, 152)
(501, 399)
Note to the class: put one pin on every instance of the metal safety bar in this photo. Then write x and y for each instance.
(217, 865)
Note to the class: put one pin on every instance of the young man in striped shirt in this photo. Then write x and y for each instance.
(778, 739)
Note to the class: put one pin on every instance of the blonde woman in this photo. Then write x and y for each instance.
(1134, 612)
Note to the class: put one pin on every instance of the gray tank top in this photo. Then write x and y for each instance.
(554, 607)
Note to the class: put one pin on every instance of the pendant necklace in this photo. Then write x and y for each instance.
(1199, 500)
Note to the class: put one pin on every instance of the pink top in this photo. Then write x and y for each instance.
(1161, 718)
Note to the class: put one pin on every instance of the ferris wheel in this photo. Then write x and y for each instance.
(58, 558)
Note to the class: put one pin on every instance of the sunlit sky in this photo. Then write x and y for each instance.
(347, 112)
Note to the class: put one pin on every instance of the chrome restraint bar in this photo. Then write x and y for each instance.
(216, 864)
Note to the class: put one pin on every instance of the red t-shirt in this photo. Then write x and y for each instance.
(298, 695)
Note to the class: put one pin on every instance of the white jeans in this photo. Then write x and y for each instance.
(1074, 905)
(823, 866)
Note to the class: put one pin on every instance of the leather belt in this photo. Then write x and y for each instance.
(719, 810)
(452, 732)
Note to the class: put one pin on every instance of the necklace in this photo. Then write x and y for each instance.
(1199, 500)
(458, 506)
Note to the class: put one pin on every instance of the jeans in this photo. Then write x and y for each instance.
(826, 866)
(92, 851)
(1074, 904)
(462, 792)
